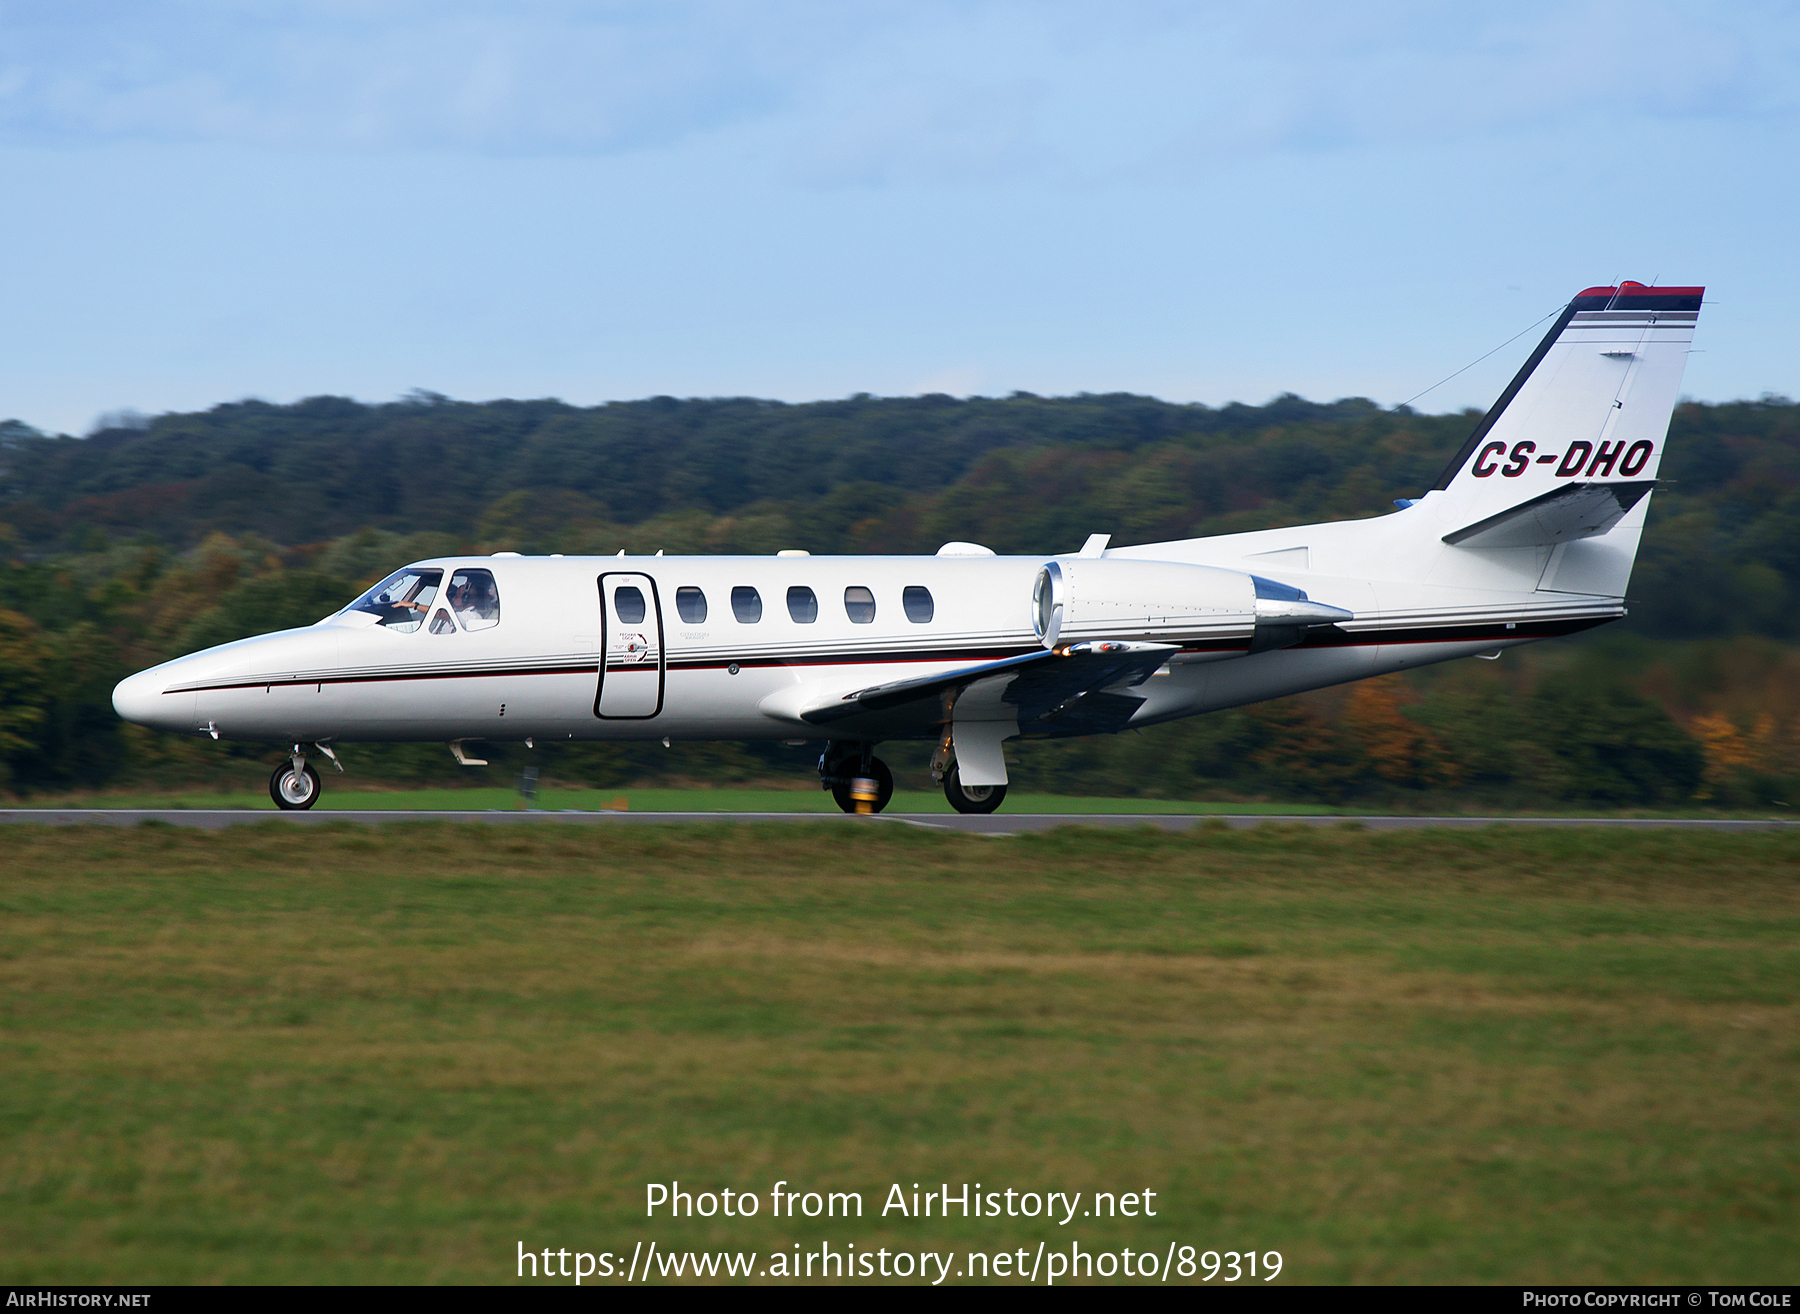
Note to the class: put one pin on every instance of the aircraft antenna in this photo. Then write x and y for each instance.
(1483, 356)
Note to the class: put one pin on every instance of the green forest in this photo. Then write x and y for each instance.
(152, 537)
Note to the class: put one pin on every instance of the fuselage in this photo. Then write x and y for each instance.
(624, 648)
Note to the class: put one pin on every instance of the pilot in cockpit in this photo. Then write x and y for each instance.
(475, 599)
(404, 610)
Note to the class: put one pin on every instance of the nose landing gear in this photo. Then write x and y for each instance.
(294, 790)
(295, 785)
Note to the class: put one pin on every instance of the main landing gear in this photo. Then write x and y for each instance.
(295, 785)
(976, 799)
(858, 780)
(861, 782)
(971, 798)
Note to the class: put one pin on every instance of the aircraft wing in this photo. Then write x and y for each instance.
(1042, 686)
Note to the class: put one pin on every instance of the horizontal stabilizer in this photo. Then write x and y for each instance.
(1559, 516)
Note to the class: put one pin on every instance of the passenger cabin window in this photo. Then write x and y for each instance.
(628, 603)
(402, 600)
(916, 599)
(859, 604)
(746, 604)
(802, 605)
(475, 598)
(690, 605)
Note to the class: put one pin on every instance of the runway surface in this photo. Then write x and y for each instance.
(999, 823)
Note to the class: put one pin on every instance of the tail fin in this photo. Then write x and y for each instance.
(1568, 454)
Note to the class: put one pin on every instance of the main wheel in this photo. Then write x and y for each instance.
(294, 792)
(843, 792)
(971, 798)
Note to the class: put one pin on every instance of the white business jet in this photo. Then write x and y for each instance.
(1529, 534)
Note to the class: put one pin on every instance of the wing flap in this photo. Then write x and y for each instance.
(1038, 684)
(1053, 689)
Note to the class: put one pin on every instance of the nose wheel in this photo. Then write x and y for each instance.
(294, 790)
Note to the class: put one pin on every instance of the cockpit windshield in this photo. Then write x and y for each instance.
(401, 601)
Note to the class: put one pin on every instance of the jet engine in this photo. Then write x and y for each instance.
(1097, 599)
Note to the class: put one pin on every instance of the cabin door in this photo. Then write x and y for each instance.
(631, 648)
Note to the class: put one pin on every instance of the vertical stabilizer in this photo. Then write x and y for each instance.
(1591, 407)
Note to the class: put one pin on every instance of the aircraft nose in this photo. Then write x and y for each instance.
(140, 698)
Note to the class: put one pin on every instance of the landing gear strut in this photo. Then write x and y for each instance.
(858, 780)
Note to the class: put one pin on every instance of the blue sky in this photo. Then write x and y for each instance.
(216, 199)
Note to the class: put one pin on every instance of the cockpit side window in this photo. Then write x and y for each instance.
(441, 623)
(475, 598)
(402, 600)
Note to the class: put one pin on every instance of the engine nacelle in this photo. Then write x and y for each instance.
(1094, 599)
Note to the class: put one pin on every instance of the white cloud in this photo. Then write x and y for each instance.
(858, 93)
(545, 77)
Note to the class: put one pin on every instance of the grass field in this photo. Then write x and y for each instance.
(392, 1054)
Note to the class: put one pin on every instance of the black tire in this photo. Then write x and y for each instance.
(977, 799)
(878, 772)
(294, 793)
